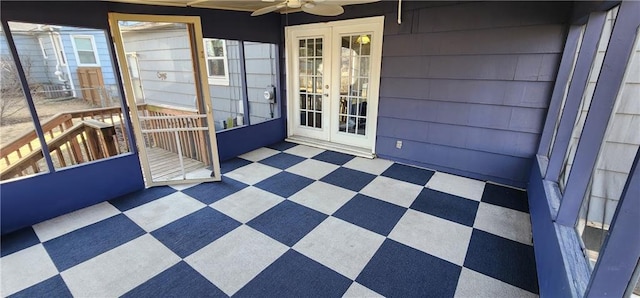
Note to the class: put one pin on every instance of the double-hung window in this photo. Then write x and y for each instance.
(217, 65)
(85, 50)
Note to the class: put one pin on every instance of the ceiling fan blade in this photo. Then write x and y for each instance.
(322, 9)
(267, 9)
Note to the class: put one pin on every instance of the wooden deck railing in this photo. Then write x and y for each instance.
(24, 156)
(86, 141)
(192, 143)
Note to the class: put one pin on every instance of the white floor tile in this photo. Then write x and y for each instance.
(121, 269)
(236, 258)
(504, 222)
(202, 173)
(304, 151)
(180, 187)
(436, 236)
(374, 166)
(474, 284)
(341, 246)
(357, 290)
(456, 185)
(253, 173)
(156, 214)
(247, 204)
(393, 191)
(259, 154)
(25, 268)
(313, 169)
(69, 222)
(323, 197)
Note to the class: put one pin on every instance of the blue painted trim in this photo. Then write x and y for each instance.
(566, 65)
(243, 75)
(561, 266)
(28, 201)
(605, 95)
(578, 84)
(28, 97)
(552, 275)
(234, 142)
(621, 248)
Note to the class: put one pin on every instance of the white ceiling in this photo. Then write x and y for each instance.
(240, 5)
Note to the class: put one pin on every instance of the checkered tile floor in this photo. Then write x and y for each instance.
(286, 221)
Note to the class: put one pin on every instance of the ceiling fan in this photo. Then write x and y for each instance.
(316, 7)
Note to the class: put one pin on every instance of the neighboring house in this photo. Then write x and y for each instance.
(160, 66)
(66, 61)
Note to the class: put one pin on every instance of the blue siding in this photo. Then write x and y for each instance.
(476, 83)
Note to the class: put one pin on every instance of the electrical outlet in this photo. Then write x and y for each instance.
(399, 144)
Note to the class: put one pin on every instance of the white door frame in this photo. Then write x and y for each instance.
(372, 25)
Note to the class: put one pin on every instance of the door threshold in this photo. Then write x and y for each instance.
(347, 149)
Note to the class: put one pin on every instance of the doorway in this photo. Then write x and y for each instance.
(334, 82)
(174, 124)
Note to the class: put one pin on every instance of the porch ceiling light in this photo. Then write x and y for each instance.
(363, 39)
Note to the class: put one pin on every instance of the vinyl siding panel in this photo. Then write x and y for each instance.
(466, 86)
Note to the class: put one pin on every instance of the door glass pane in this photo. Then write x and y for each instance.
(311, 82)
(172, 122)
(21, 153)
(79, 107)
(620, 145)
(354, 77)
(586, 98)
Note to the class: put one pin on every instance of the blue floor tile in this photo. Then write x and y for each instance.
(282, 146)
(18, 240)
(282, 160)
(348, 178)
(232, 164)
(178, 281)
(284, 184)
(372, 214)
(287, 222)
(503, 259)
(52, 287)
(195, 231)
(506, 197)
(447, 206)
(335, 158)
(294, 275)
(397, 270)
(213, 191)
(408, 174)
(141, 197)
(80, 245)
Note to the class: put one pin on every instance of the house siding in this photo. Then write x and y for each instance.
(466, 86)
(30, 56)
(480, 76)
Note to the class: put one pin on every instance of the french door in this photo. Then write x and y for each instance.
(334, 81)
(171, 113)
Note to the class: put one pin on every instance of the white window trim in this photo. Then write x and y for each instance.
(58, 48)
(42, 48)
(218, 80)
(93, 44)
